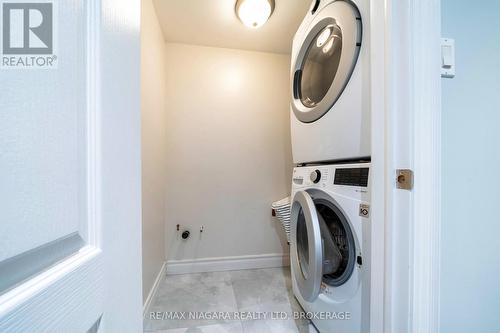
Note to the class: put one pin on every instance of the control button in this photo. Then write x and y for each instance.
(315, 176)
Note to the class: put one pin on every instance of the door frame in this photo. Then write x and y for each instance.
(406, 134)
(119, 156)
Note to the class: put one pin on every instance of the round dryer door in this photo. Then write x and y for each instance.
(306, 252)
(326, 60)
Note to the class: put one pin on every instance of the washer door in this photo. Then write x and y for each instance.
(306, 252)
(326, 60)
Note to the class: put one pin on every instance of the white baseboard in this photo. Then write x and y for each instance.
(152, 292)
(227, 263)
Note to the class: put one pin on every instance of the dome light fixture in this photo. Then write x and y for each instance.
(254, 13)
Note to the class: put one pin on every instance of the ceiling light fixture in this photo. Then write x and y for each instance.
(254, 13)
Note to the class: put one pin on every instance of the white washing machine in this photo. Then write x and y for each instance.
(330, 245)
(330, 104)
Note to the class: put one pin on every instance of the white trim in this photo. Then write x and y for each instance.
(426, 105)
(24, 309)
(154, 288)
(379, 38)
(397, 150)
(119, 170)
(37, 284)
(413, 140)
(93, 134)
(227, 263)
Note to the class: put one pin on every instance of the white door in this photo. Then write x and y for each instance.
(70, 166)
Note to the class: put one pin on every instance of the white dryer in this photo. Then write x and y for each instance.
(330, 245)
(330, 108)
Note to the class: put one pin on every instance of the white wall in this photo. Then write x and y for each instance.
(153, 105)
(470, 296)
(229, 153)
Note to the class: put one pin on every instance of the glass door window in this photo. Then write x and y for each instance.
(302, 244)
(306, 253)
(320, 65)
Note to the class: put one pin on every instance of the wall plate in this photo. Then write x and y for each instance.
(447, 58)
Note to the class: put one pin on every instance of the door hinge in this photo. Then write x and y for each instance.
(404, 179)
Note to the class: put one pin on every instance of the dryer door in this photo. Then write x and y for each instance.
(306, 252)
(326, 60)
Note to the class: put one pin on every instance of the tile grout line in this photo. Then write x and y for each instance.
(236, 302)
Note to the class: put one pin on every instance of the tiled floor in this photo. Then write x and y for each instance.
(259, 292)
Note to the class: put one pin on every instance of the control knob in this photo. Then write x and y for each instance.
(315, 176)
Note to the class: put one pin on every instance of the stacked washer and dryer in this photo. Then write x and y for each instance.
(330, 126)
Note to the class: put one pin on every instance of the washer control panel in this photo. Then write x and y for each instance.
(310, 176)
(348, 177)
